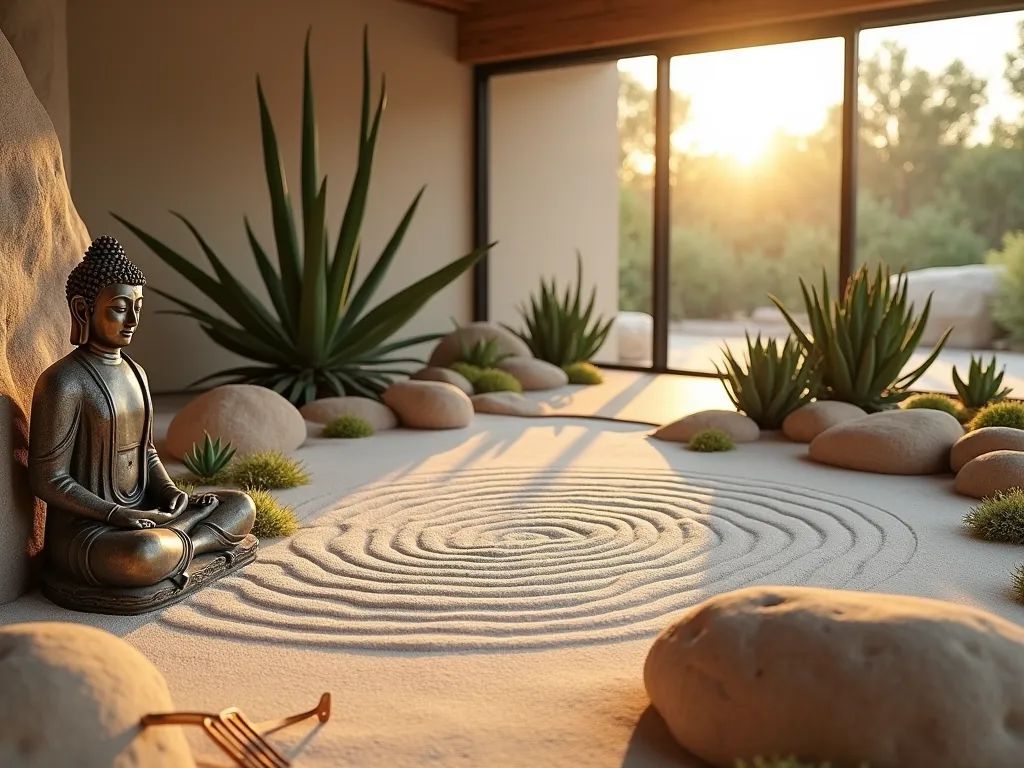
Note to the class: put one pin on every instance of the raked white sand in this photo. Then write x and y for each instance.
(486, 597)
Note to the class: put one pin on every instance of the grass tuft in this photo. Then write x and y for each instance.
(584, 373)
(469, 371)
(1004, 414)
(1018, 582)
(268, 471)
(273, 519)
(999, 517)
(347, 426)
(494, 380)
(711, 441)
(937, 402)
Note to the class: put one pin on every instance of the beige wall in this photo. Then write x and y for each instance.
(164, 116)
(554, 186)
(37, 31)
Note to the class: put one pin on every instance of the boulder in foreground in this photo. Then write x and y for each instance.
(991, 473)
(429, 405)
(808, 421)
(841, 677)
(741, 428)
(374, 413)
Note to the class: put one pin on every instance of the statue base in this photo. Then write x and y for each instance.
(204, 570)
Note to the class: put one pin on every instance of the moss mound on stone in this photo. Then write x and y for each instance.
(347, 426)
(584, 373)
(273, 519)
(494, 380)
(937, 402)
(268, 471)
(999, 518)
(469, 372)
(711, 441)
(1004, 414)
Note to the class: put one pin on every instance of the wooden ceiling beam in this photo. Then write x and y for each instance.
(504, 30)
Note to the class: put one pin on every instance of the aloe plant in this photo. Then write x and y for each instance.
(775, 381)
(484, 354)
(859, 345)
(210, 460)
(982, 385)
(560, 331)
(319, 335)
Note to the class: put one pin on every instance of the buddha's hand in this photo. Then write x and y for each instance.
(122, 517)
(174, 501)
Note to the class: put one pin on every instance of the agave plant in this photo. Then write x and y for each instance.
(776, 381)
(560, 330)
(318, 336)
(982, 385)
(210, 460)
(484, 354)
(860, 345)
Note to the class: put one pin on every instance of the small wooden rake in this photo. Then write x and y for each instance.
(238, 737)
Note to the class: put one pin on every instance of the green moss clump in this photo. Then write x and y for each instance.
(267, 471)
(936, 402)
(1018, 582)
(584, 373)
(347, 426)
(468, 371)
(494, 380)
(711, 441)
(1005, 414)
(999, 518)
(273, 519)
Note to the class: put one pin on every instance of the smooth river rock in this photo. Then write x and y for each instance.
(991, 473)
(808, 421)
(374, 413)
(982, 441)
(251, 418)
(535, 375)
(73, 696)
(843, 677)
(449, 350)
(506, 404)
(447, 375)
(741, 428)
(900, 442)
(429, 405)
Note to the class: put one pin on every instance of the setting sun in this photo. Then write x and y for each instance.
(734, 112)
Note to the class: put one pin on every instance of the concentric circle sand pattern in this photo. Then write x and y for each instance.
(518, 558)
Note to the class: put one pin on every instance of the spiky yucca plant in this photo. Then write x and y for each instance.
(319, 336)
(775, 381)
(209, 461)
(982, 385)
(484, 354)
(860, 345)
(559, 330)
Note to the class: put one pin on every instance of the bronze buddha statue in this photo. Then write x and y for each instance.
(120, 536)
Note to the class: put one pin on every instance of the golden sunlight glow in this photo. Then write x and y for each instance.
(739, 100)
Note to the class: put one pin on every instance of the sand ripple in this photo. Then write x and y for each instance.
(519, 558)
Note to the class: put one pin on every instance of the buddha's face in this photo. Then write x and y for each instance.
(115, 316)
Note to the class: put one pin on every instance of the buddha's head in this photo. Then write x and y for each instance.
(105, 296)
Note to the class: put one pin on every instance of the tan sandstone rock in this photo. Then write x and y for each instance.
(535, 375)
(739, 427)
(991, 473)
(446, 375)
(73, 696)
(429, 404)
(42, 238)
(807, 422)
(901, 442)
(252, 418)
(448, 350)
(374, 413)
(985, 440)
(844, 677)
(506, 404)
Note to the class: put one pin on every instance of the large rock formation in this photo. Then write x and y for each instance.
(41, 239)
(961, 299)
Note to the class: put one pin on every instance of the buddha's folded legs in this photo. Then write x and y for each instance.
(220, 529)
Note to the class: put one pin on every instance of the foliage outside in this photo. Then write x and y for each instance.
(495, 380)
(936, 402)
(999, 518)
(559, 330)
(1005, 414)
(319, 336)
(209, 461)
(268, 471)
(982, 386)
(775, 381)
(273, 519)
(1008, 303)
(711, 441)
(858, 346)
(583, 373)
(347, 426)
